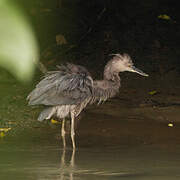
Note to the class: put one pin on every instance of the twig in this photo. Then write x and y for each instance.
(88, 31)
(91, 28)
(42, 67)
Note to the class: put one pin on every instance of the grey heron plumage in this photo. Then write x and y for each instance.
(67, 91)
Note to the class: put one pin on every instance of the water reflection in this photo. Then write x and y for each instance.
(67, 167)
(88, 166)
(42, 161)
(92, 169)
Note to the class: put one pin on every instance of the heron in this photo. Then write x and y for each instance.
(68, 90)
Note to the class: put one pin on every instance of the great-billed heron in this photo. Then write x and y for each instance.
(67, 91)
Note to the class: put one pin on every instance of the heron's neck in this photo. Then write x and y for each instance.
(113, 80)
(110, 72)
(111, 75)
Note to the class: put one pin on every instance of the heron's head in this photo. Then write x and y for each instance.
(121, 63)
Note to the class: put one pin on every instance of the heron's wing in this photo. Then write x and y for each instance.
(71, 84)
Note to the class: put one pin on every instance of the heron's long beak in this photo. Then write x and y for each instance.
(136, 70)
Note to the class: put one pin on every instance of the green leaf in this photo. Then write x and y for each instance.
(18, 46)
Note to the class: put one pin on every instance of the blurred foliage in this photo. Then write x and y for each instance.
(18, 46)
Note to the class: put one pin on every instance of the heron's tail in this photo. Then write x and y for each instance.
(46, 114)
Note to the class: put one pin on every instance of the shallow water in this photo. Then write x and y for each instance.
(46, 161)
(116, 141)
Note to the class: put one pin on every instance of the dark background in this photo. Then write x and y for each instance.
(94, 29)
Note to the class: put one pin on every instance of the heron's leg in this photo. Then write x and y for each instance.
(72, 129)
(63, 132)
